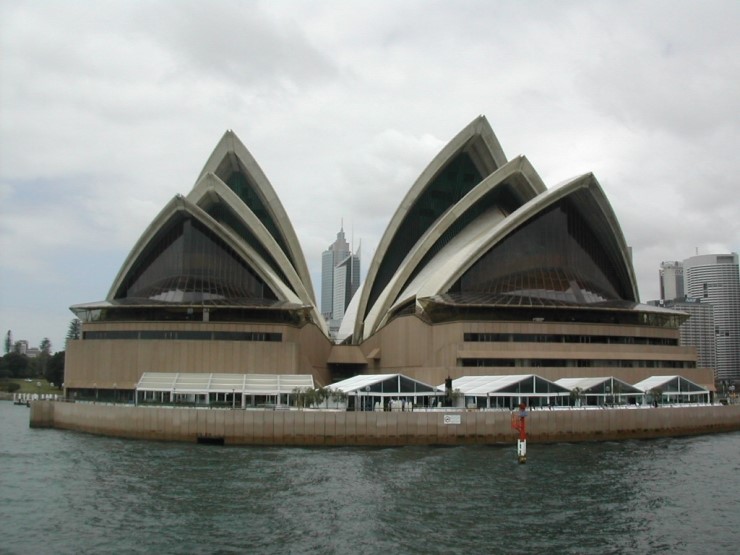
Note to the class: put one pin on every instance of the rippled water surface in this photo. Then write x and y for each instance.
(65, 492)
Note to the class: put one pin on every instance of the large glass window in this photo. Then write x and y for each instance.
(554, 256)
(186, 335)
(561, 338)
(187, 263)
(455, 181)
(247, 192)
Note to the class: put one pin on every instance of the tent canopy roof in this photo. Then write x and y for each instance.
(252, 384)
(598, 385)
(510, 385)
(670, 384)
(385, 385)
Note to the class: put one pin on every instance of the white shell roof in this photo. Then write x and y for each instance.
(483, 146)
(528, 185)
(287, 274)
(230, 150)
(479, 235)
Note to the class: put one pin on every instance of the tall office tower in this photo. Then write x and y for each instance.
(346, 283)
(698, 330)
(337, 251)
(715, 279)
(340, 279)
(671, 281)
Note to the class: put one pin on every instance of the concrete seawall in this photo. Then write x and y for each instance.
(314, 427)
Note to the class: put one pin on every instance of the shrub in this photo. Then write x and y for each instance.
(10, 387)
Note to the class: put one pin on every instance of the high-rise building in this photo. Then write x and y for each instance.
(698, 330)
(715, 279)
(340, 279)
(337, 251)
(346, 283)
(671, 281)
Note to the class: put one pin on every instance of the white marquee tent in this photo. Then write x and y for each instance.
(508, 391)
(674, 389)
(239, 390)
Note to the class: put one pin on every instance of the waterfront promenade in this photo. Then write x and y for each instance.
(330, 427)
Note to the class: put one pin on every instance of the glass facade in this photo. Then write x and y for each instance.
(237, 182)
(555, 256)
(501, 197)
(455, 181)
(566, 338)
(226, 217)
(187, 263)
(185, 335)
(573, 363)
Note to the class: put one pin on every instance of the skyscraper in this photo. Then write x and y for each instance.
(671, 281)
(715, 279)
(340, 279)
(698, 330)
(337, 251)
(346, 282)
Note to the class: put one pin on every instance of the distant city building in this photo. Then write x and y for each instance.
(346, 283)
(337, 252)
(715, 279)
(21, 346)
(340, 279)
(698, 330)
(671, 281)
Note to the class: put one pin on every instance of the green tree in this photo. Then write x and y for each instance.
(656, 395)
(15, 364)
(576, 394)
(45, 346)
(42, 360)
(74, 331)
(55, 369)
(337, 395)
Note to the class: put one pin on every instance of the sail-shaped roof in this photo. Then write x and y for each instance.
(567, 230)
(186, 255)
(491, 201)
(233, 164)
(229, 242)
(471, 229)
(472, 155)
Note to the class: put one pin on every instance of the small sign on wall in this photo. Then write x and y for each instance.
(451, 419)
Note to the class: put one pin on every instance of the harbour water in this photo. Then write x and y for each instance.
(66, 492)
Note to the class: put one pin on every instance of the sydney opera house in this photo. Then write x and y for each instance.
(482, 270)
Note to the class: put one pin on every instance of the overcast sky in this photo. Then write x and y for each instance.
(109, 109)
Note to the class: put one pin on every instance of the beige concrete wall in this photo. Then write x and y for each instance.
(109, 364)
(406, 345)
(430, 353)
(258, 427)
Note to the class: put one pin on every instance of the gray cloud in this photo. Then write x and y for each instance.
(343, 104)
